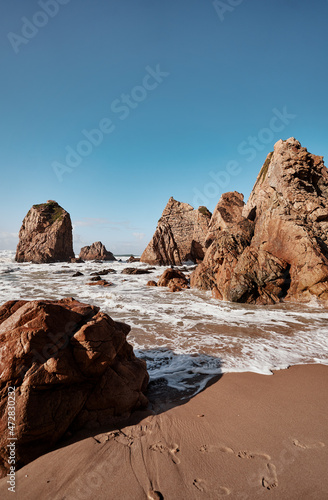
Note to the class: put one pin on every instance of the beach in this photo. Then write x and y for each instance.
(246, 436)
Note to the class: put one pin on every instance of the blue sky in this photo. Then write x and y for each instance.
(191, 96)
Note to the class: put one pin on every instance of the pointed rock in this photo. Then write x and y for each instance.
(179, 236)
(287, 256)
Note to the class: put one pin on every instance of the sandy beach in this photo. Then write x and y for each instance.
(246, 436)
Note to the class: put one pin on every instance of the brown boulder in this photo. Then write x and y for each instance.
(71, 366)
(179, 236)
(172, 277)
(101, 283)
(133, 259)
(151, 283)
(134, 270)
(96, 251)
(45, 235)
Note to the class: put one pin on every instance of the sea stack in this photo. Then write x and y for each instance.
(96, 251)
(276, 246)
(179, 236)
(45, 235)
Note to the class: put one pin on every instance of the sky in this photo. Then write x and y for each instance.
(111, 107)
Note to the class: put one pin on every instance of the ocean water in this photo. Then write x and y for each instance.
(186, 337)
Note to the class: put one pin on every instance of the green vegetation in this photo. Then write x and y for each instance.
(52, 209)
(264, 169)
(204, 211)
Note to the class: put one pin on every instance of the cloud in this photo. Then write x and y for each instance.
(139, 236)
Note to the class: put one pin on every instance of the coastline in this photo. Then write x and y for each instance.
(245, 436)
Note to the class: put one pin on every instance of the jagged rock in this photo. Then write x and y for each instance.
(134, 270)
(97, 251)
(180, 235)
(75, 275)
(287, 256)
(71, 366)
(289, 204)
(228, 235)
(45, 235)
(173, 278)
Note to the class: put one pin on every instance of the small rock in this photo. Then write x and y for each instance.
(134, 270)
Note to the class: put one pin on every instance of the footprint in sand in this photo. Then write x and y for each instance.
(120, 437)
(240, 454)
(172, 450)
(308, 446)
(270, 480)
(154, 495)
(201, 486)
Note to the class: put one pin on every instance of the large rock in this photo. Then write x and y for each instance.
(96, 251)
(179, 236)
(71, 366)
(289, 204)
(228, 235)
(287, 256)
(45, 235)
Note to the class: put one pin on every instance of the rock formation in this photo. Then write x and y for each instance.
(275, 247)
(71, 367)
(96, 251)
(228, 235)
(179, 236)
(45, 235)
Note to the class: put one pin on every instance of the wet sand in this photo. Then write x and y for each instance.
(247, 436)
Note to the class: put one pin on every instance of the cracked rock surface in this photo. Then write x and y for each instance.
(71, 367)
(276, 246)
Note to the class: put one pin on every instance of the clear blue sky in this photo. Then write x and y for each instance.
(225, 70)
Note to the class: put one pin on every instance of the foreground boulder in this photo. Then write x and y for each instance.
(45, 235)
(70, 365)
(276, 246)
(180, 235)
(96, 251)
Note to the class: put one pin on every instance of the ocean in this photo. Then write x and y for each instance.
(187, 337)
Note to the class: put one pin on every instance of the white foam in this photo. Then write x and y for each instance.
(191, 325)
